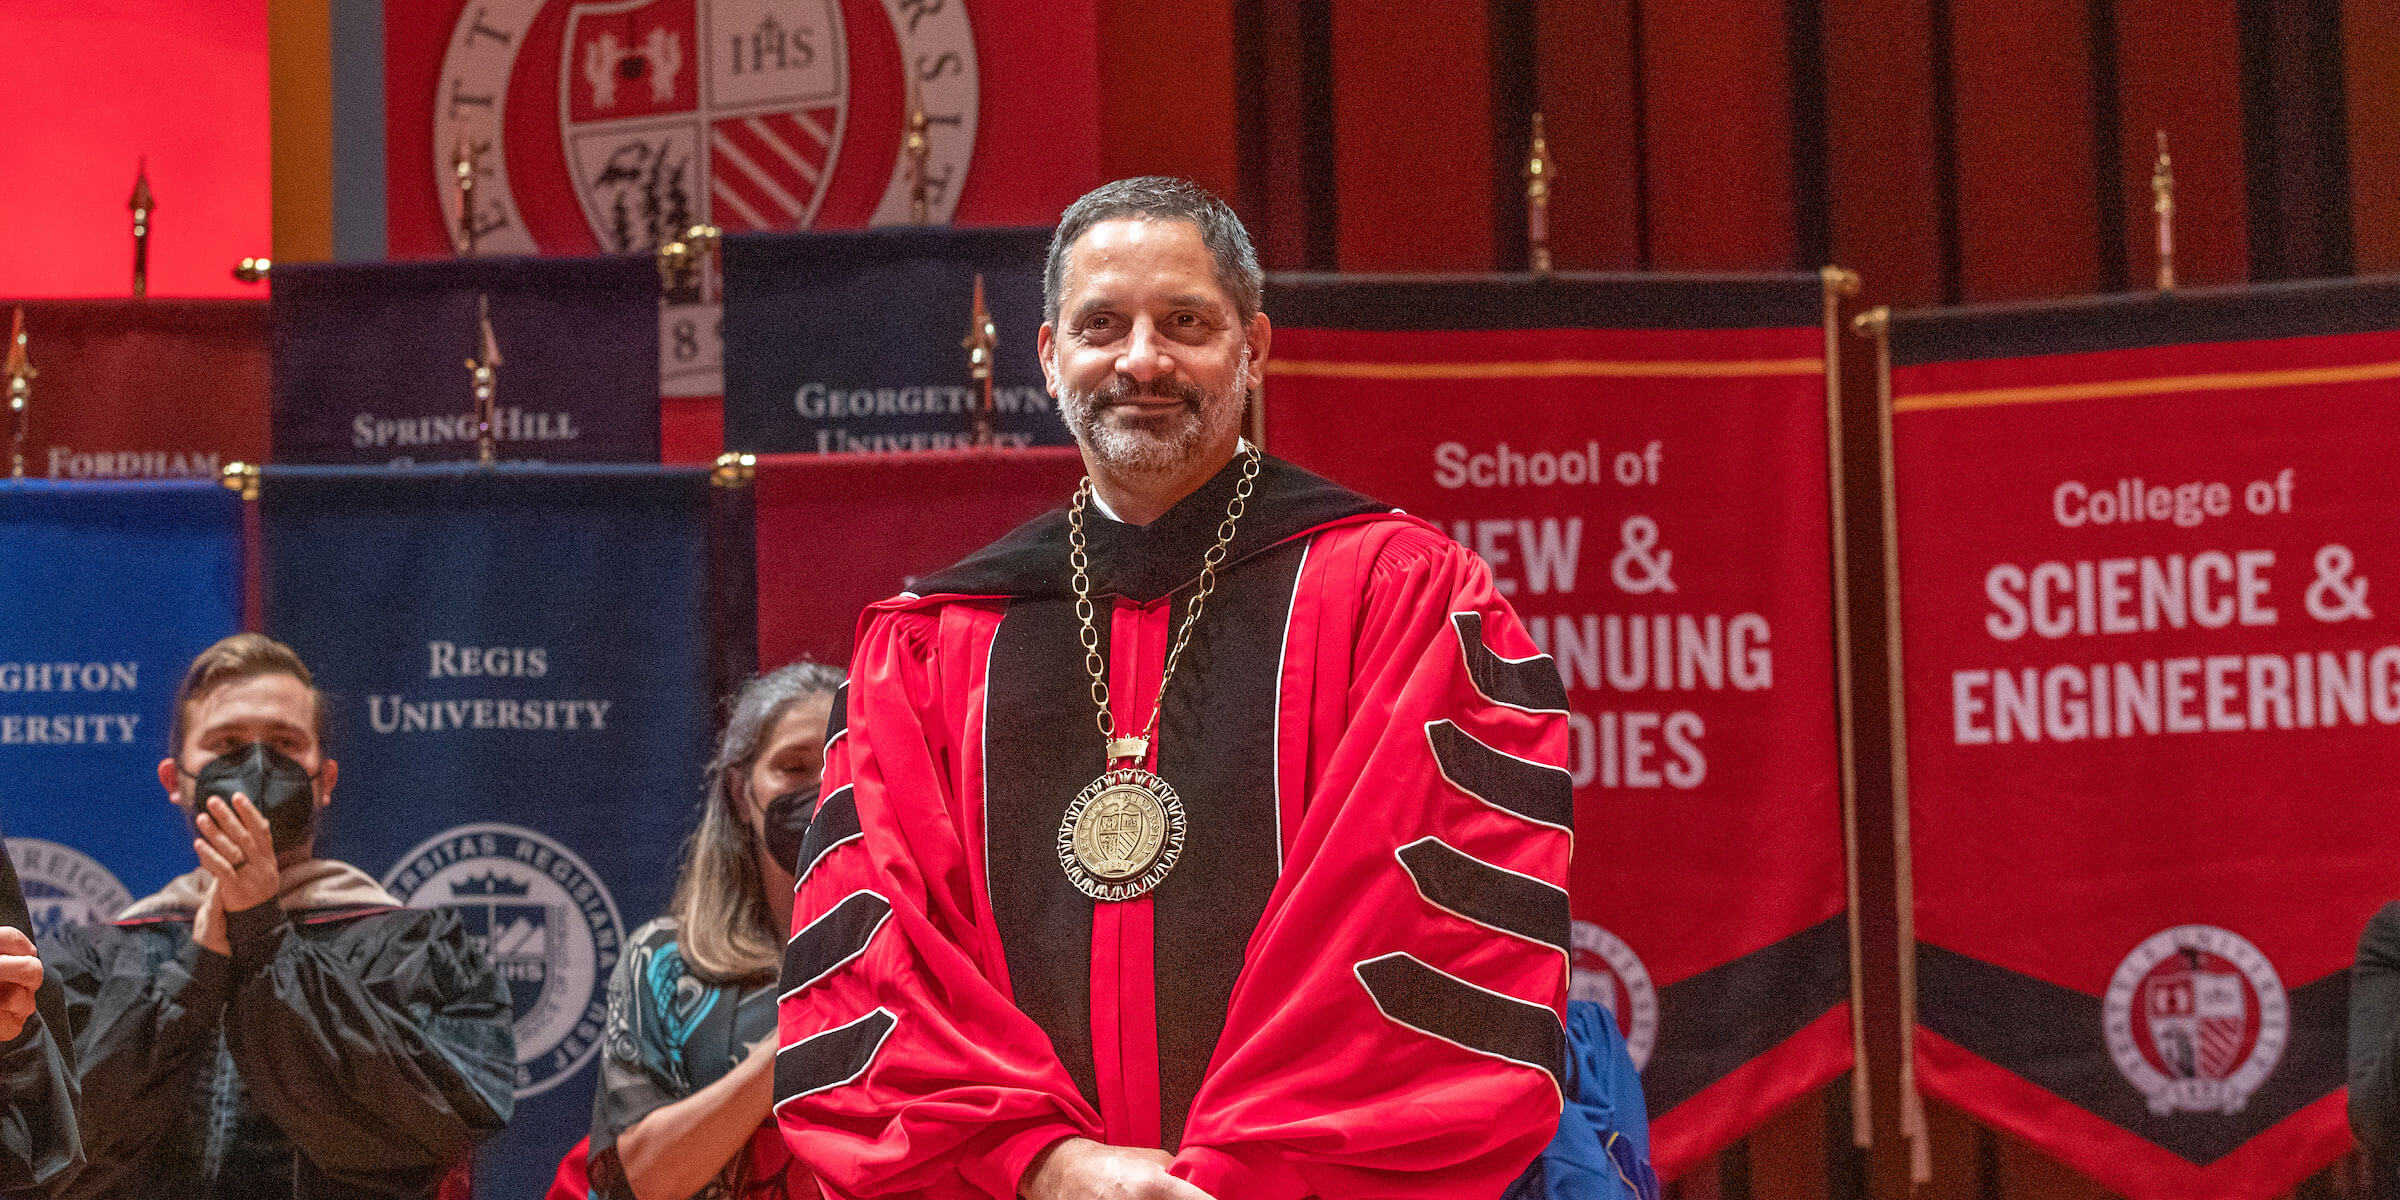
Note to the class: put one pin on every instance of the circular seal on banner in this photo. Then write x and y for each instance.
(64, 886)
(1605, 970)
(638, 118)
(546, 922)
(2196, 1018)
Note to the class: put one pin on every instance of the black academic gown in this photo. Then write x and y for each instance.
(337, 1054)
(39, 1147)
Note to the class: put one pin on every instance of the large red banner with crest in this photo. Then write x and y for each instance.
(609, 126)
(2153, 701)
(1652, 499)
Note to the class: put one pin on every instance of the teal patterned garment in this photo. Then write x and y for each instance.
(671, 1033)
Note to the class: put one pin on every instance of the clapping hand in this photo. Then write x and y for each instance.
(238, 851)
(20, 978)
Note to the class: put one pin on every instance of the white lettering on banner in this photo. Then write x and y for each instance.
(1549, 548)
(2211, 589)
(821, 401)
(843, 441)
(69, 729)
(70, 676)
(1455, 466)
(511, 424)
(449, 660)
(2134, 500)
(2216, 693)
(69, 463)
(397, 713)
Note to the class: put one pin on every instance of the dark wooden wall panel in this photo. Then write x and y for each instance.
(1587, 72)
(1412, 136)
(2179, 69)
(1880, 137)
(2371, 48)
(2027, 189)
(1718, 151)
(1171, 57)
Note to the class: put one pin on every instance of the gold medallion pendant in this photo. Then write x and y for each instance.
(1122, 834)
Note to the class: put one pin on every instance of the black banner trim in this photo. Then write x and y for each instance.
(1530, 684)
(1713, 1023)
(1541, 794)
(840, 934)
(2053, 1038)
(1567, 300)
(1494, 897)
(1446, 1008)
(824, 1061)
(2251, 312)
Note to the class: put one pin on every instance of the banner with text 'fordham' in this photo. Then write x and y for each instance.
(850, 341)
(144, 389)
(838, 532)
(517, 663)
(107, 592)
(370, 360)
(2153, 688)
(1642, 463)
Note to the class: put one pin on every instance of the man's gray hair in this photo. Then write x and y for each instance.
(1161, 198)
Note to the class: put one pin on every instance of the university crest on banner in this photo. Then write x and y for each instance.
(617, 124)
(747, 114)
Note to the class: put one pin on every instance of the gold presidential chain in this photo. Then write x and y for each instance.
(1137, 747)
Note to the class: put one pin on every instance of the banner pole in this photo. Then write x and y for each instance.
(1838, 283)
(241, 478)
(1876, 323)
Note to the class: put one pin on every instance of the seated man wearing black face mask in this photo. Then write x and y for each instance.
(273, 1023)
(687, 1080)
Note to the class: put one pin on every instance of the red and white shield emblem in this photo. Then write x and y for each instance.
(2196, 1018)
(725, 111)
(2199, 1018)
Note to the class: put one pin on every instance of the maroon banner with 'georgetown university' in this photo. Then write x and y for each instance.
(1642, 463)
(2153, 690)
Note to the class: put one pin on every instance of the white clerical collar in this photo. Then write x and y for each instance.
(1241, 446)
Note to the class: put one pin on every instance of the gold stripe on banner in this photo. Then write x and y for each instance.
(1563, 368)
(2223, 381)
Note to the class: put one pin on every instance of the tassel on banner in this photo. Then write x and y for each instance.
(20, 374)
(1876, 323)
(1840, 283)
(2162, 190)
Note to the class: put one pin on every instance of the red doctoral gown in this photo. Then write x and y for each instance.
(1351, 984)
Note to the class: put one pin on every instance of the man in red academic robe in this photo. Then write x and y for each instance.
(1090, 910)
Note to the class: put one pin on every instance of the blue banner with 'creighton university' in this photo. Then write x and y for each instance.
(518, 666)
(107, 591)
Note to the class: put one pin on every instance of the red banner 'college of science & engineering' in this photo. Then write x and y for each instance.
(1652, 498)
(2153, 701)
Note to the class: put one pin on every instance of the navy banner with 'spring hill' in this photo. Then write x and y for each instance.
(850, 341)
(518, 666)
(107, 592)
(370, 360)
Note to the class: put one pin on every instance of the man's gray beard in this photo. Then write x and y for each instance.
(1145, 452)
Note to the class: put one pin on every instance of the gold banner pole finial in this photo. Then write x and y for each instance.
(240, 478)
(1538, 174)
(918, 147)
(983, 337)
(141, 203)
(486, 374)
(253, 270)
(683, 263)
(20, 395)
(2162, 189)
(463, 166)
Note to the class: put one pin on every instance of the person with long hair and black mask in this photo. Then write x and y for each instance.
(687, 1079)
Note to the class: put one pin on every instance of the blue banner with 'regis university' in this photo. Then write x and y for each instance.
(370, 360)
(518, 667)
(850, 341)
(107, 592)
